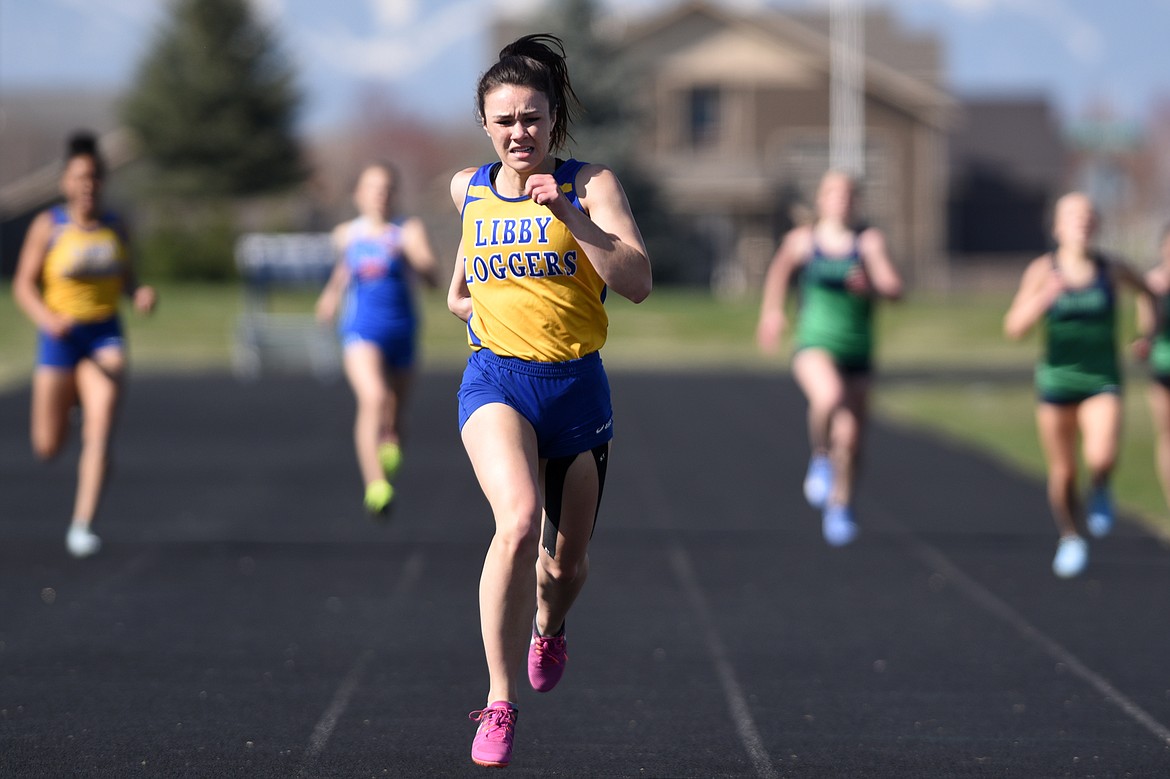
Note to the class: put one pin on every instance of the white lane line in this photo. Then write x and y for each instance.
(741, 715)
(998, 608)
(329, 719)
(341, 698)
(661, 499)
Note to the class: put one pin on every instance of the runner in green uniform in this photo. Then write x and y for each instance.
(842, 269)
(1151, 320)
(1078, 378)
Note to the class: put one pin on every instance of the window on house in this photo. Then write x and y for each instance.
(704, 116)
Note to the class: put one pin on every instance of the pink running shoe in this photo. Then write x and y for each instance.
(492, 746)
(546, 660)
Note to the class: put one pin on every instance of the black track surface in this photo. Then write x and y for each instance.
(245, 619)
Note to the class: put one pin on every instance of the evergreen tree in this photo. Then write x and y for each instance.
(608, 121)
(214, 104)
(610, 131)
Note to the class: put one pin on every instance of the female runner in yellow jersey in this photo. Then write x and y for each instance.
(74, 265)
(543, 240)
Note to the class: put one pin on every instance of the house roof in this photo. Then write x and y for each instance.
(1018, 134)
(771, 46)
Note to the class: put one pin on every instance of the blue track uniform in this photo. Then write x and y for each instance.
(379, 304)
(538, 318)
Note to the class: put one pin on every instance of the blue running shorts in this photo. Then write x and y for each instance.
(397, 346)
(567, 403)
(80, 342)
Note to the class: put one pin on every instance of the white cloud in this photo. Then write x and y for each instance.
(1079, 35)
(1058, 17)
(395, 14)
(269, 11)
(405, 43)
(516, 8)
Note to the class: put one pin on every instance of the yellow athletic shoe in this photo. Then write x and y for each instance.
(379, 494)
(390, 455)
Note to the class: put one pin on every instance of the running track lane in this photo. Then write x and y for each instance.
(245, 619)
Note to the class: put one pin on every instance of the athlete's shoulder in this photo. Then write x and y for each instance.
(1045, 260)
(117, 223)
(590, 181)
(51, 225)
(870, 241)
(42, 231)
(481, 176)
(799, 243)
(1158, 279)
(583, 172)
(340, 234)
(463, 180)
(1038, 268)
(47, 219)
(571, 168)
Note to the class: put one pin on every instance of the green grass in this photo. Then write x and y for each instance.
(956, 340)
(673, 329)
(999, 420)
(190, 330)
(934, 332)
(949, 340)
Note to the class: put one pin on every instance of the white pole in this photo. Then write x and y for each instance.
(847, 87)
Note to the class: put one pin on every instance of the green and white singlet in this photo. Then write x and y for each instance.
(1080, 343)
(1160, 349)
(831, 317)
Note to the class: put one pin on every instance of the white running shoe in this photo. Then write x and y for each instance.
(818, 482)
(838, 526)
(81, 542)
(1072, 553)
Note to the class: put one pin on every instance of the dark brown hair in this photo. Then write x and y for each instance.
(536, 61)
(83, 143)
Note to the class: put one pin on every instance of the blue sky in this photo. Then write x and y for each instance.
(427, 53)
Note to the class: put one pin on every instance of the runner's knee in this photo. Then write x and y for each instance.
(1100, 465)
(46, 447)
(827, 400)
(372, 399)
(563, 570)
(518, 532)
